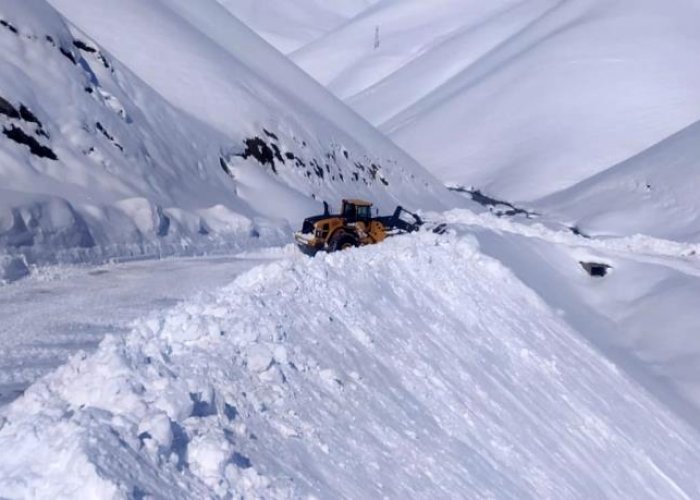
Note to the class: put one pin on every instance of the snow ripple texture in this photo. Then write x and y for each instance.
(420, 368)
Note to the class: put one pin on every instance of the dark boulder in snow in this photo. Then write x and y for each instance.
(596, 269)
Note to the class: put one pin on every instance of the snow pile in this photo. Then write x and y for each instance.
(641, 315)
(419, 367)
(142, 128)
(519, 98)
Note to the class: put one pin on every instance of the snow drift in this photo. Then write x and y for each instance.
(418, 368)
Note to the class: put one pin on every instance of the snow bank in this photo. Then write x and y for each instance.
(635, 245)
(416, 368)
(641, 315)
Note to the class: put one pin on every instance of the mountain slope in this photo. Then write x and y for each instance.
(655, 193)
(217, 141)
(522, 99)
(291, 25)
(314, 377)
(203, 46)
(98, 158)
(410, 31)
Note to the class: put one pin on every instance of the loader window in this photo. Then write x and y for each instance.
(349, 211)
(354, 212)
(364, 213)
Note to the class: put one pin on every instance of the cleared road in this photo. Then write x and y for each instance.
(50, 316)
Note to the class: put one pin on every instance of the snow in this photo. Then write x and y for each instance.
(12, 268)
(654, 193)
(248, 79)
(419, 367)
(640, 316)
(291, 25)
(60, 310)
(109, 152)
(521, 99)
(98, 200)
(485, 362)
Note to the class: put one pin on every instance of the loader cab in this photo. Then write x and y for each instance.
(356, 210)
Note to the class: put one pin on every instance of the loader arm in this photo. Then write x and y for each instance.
(395, 221)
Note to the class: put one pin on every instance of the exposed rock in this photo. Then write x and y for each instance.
(596, 269)
(498, 207)
(8, 26)
(7, 109)
(19, 136)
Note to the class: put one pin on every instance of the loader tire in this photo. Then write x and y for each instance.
(342, 242)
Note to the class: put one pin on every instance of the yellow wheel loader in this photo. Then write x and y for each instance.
(354, 226)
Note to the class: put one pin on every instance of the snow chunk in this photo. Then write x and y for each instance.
(259, 358)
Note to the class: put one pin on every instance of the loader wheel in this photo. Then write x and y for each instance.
(343, 242)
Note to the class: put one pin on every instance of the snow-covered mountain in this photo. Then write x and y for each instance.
(217, 141)
(520, 98)
(523, 350)
(654, 193)
(291, 25)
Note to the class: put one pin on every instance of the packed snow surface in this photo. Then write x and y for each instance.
(416, 368)
(59, 311)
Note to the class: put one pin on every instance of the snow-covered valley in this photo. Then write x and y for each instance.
(161, 336)
(544, 101)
